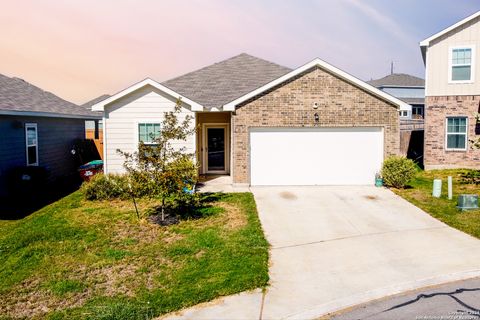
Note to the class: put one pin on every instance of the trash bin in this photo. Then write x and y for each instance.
(88, 170)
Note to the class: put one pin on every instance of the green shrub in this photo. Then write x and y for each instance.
(398, 171)
(470, 177)
(106, 187)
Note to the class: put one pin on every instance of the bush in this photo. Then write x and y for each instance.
(106, 187)
(398, 171)
(470, 177)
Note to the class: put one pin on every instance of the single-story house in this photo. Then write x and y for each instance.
(37, 129)
(407, 88)
(264, 124)
(452, 95)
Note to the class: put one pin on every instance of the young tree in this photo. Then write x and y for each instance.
(161, 169)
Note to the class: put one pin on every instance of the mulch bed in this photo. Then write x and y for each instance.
(169, 219)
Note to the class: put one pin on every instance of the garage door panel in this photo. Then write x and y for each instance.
(318, 156)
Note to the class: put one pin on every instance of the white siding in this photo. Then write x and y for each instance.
(437, 66)
(122, 117)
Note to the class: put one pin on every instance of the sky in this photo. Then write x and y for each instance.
(80, 49)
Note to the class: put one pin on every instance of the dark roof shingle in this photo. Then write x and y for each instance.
(222, 82)
(88, 105)
(398, 80)
(20, 96)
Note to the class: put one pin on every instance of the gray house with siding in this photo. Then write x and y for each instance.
(37, 128)
(408, 88)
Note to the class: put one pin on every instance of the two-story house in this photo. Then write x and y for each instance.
(407, 88)
(452, 93)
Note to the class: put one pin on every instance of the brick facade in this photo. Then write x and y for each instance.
(340, 104)
(437, 109)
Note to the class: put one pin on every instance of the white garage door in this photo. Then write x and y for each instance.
(315, 156)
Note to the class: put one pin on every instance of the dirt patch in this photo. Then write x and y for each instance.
(235, 218)
(29, 299)
(370, 197)
(288, 195)
(199, 254)
(144, 233)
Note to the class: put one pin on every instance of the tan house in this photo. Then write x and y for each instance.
(452, 91)
(264, 124)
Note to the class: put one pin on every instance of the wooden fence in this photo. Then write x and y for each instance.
(90, 134)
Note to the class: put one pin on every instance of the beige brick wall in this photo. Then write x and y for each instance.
(437, 109)
(290, 105)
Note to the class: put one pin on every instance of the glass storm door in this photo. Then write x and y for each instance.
(215, 149)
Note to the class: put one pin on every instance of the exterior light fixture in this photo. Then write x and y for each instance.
(315, 105)
(317, 118)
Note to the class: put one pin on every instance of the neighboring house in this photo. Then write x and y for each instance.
(452, 95)
(407, 88)
(37, 128)
(264, 124)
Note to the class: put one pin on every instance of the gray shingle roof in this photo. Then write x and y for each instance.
(413, 100)
(20, 96)
(222, 82)
(399, 80)
(88, 105)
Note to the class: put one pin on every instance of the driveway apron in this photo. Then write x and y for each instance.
(335, 247)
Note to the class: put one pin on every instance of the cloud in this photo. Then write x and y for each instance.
(383, 20)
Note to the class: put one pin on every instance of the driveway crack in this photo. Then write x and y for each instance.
(353, 236)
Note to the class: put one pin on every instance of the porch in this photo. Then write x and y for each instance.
(218, 183)
(213, 142)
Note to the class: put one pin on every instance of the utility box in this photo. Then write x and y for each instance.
(467, 202)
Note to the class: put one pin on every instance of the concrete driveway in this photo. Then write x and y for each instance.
(335, 247)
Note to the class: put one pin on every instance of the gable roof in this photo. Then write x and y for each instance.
(398, 80)
(427, 41)
(100, 106)
(222, 82)
(88, 105)
(323, 65)
(18, 97)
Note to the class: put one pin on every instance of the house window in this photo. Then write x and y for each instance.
(403, 113)
(417, 110)
(456, 133)
(31, 144)
(461, 64)
(148, 132)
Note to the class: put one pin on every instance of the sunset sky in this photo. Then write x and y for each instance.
(80, 49)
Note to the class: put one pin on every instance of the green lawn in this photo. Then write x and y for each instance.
(77, 259)
(420, 194)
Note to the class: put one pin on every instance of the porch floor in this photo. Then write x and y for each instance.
(218, 183)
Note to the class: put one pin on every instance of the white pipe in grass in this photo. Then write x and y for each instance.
(450, 188)
(437, 188)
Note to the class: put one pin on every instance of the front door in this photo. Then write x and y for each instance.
(216, 149)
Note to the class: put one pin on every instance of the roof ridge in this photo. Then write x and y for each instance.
(220, 62)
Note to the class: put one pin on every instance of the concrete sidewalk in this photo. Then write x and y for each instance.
(335, 247)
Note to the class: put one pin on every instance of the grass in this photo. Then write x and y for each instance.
(419, 193)
(76, 259)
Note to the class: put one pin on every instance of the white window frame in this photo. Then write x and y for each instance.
(137, 132)
(456, 133)
(472, 65)
(27, 126)
(403, 113)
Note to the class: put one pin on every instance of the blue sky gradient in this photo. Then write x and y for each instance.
(82, 49)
